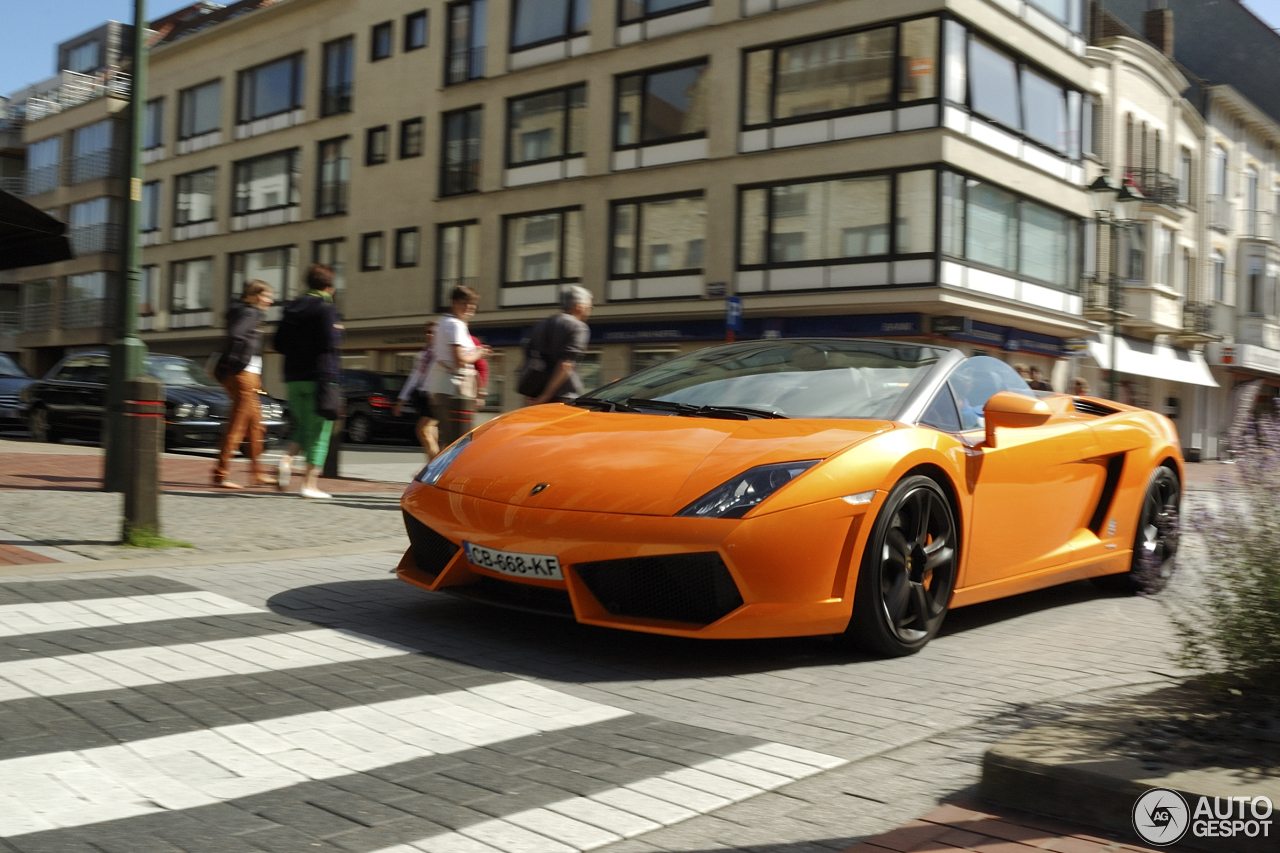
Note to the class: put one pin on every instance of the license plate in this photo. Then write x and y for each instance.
(511, 563)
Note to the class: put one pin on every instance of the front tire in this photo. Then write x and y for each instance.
(359, 429)
(908, 570)
(1155, 543)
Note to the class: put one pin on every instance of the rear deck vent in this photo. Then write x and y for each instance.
(1089, 407)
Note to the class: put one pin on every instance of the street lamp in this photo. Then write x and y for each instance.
(1116, 207)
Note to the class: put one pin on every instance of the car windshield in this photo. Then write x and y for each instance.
(178, 372)
(9, 368)
(795, 379)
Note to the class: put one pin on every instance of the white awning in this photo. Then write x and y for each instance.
(1144, 358)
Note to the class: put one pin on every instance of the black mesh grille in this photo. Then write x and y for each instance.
(431, 551)
(521, 596)
(693, 588)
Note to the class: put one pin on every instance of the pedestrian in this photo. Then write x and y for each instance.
(1023, 371)
(308, 337)
(482, 376)
(1037, 381)
(555, 346)
(415, 392)
(1080, 387)
(239, 369)
(452, 375)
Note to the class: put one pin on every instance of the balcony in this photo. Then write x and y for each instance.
(65, 91)
(90, 239)
(107, 163)
(42, 179)
(37, 317)
(1259, 331)
(10, 323)
(1152, 309)
(1259, 225)
(13, 185)
(1158, 187)
(1220, 213)
(84, 313)
(1197, 319)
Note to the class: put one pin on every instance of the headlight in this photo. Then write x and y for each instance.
(199, 411)
(740, 495)
(183, 411)
(436, 467)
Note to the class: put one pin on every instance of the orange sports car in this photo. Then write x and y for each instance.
(795, 487)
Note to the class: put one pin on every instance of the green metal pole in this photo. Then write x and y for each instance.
(128, 352)
(1113, 296)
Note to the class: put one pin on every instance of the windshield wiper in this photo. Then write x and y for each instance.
(598, 405)
(734, 412)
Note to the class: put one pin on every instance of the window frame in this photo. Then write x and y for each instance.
(644, 74)
(422, 138)
(326, 89)
(649, 16)
(213, 266)
(895, 98)
(564, 125)
(636, 232)
(182, 98)
(297, 96)
(390, 28)
(177, 196)
(369, 132)
(525, 214)
(406, 45)
(442, 302)
(366, 240)
(284, 292)
(444, 150)
(339, 268)
(395, 247)
(156, 126)
(471, 47)
(341, 141)
(568, 32)
(156, 205)
(295, 181)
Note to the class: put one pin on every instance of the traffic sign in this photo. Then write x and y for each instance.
(733, 314)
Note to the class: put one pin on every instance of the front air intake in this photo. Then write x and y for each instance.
(693, 588)
(431, 551)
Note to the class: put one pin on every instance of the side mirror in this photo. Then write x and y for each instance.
(1010, 409)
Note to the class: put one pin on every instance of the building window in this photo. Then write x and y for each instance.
(535, 22)
(1219, 277)
(410, 138)
(546, 126)
(993, 84)
(150, 206)
(376, 145)
(94, 226)
(371, 251)
(194, 195)
(465, 51)
(200, 109)
(191, 286)
(1164, 261)
(406, 247)
(415, 30)
(271, 88)
(460, 153)
(275, 266)
(329, 253)
(85, 58)
(339, 75)
(657, 236)
(1184, 177)
(638, 10)
(153, 130)
(914, 213)
(148, 290)
(1066, 12)
(267, 182)
(457, 259)
(380, 41)
(1048, 244)
(666, 105)
(1133, 252)
(93, 152)
(1256, 305)
(85, 303)
(44, 165)
(543, 247)
(334, 178)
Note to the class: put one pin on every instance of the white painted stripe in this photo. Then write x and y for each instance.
(35, 618)
(118, 668)
(193, 769)
(586, 823)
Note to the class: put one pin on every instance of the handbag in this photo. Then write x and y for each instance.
(463, 380)
(328, 401)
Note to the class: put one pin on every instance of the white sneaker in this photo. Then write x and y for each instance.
(314, 494)
(283, 472)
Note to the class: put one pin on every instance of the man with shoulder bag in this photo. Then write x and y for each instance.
(555, 346)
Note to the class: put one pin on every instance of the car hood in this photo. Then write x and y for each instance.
(196, 395)
(13, 384)
(631, 463)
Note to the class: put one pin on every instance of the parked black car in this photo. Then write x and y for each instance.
(12, 380)
(69, 401)
(371, 400)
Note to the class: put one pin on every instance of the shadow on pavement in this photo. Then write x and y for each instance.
(543, 646)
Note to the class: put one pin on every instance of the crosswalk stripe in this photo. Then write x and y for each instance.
(39, 617)
(193, 769)
(111, 670)
(579, 824)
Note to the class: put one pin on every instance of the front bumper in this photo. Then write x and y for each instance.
(209, 431)
(788, 573)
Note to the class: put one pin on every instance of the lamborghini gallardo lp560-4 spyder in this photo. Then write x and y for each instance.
(797, 487)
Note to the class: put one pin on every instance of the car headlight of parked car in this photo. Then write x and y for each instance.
(736, 497)
(272, 411)
(182, 412)
(436, 467)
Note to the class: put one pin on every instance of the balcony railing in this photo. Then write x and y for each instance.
(1098, 294)
(84, 313)
(107, 163)
(1197, 318)
(1259, 225)
(37, 317)
(68, 90)
(1220, 210)
(466, 64)
(10, 322)
(1158, 187)
(42, 179)
(88, 239)
(13, 185)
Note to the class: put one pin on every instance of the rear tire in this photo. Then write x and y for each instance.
(1155, 542)
(359, 429)
(908, 571)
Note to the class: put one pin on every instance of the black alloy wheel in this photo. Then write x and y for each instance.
(908, 570)
(39, 426)
(1155, 543)
(359, 430)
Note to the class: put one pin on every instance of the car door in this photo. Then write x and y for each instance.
(1031, 492)
(92, 395)
(60, 393)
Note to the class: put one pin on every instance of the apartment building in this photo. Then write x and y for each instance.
(908, 169)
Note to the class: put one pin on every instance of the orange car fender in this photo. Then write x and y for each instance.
(1147, 439)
